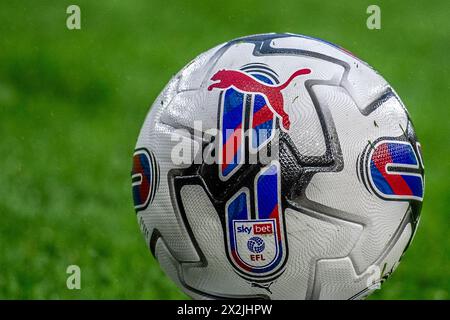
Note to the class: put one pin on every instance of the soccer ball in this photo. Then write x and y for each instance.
(278, 166)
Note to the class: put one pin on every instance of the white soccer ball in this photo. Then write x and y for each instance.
(278, 166)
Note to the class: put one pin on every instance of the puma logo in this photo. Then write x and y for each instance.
(263, 286)
(245, 83)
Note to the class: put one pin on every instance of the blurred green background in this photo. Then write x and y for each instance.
(72, 104)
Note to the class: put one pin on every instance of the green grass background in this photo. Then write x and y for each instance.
(72, 103)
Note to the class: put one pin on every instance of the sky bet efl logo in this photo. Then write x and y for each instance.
(256, 244)
(259, 238)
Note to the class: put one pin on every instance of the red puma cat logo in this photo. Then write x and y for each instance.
(245, 83)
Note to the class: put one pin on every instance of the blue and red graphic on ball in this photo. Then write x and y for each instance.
(256, 244)
(253, 99)
(144, 178)
(267, 104)
(395, 170)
